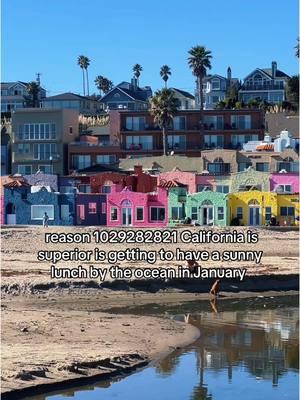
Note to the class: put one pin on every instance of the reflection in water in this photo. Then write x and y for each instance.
(250, 355)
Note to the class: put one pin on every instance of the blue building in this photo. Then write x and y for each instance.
(25, 205)
(90, 209)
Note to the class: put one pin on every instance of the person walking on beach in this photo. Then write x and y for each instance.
(45, 220)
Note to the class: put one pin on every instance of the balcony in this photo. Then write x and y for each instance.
(288, 167)
(49, 157)
(270, 86)
(217, 168)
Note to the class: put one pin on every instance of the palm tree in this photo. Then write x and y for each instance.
(199, 62)
(33, 90)
(103, 84)
(163, 107)
(297, 47)
(84, 63)
(137, 69)
(99, 83)
(165, 72)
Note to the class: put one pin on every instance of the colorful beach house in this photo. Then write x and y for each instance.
(288, 209)
(128, 208)
(284, 182)
(177, 193)
(207, 208)
(252, 208)
(25, 205)
(250, 179)
(90, 209)
(186, 178)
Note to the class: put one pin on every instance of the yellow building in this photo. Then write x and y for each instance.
(252, 208)
(288, 209)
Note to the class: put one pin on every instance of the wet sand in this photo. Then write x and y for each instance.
(64, 332)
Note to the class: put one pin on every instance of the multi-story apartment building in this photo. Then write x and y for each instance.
(40, 138)
(215, 88)
(13, 96)
(265, 84)
(82, 104)
(134, 134)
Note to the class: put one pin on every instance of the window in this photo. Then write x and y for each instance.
(158, 214)
(239, 212)
(194, 214)
(220, 213)
(81, 161)
(284, 188)
(106, 159)
(23, 148)
(213, 122)
(243, 166)
(204, 188)
(177, 213)
(24, 169)
(241, 121)
(222, 188)
(92, 208)
(103, 208)
(268, 212)
(84, 188)
(37, 131)
(46, 169)
(179, 123)
(215, 84)
(140, 214)
(70, 130)
(139, 142)
(239, 140)
(68, 189)
(218, 167)
(214, 141)
(263, 167)
(176, 142)
(114, 214)
(287, 211)
(38, 211)
(215, 99)
(135, 123)
(44, 151)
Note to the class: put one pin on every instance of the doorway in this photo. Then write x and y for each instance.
(254, 213)
(11, 218)
(126, 213)
(207, 213)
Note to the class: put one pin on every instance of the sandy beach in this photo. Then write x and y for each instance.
(57, 332)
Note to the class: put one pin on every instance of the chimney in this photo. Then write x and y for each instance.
(229, 73)
(274, 69)
(134, 84)
(138, 169)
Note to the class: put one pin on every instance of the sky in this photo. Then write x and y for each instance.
(47, 36)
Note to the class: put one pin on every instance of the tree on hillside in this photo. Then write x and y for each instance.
(164, 107)
(292, 90)
(33, 89)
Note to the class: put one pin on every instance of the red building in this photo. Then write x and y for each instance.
(134, 133)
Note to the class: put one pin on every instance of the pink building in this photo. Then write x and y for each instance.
(284, 182)
(204, 182)
(185, 178)
(127, 208)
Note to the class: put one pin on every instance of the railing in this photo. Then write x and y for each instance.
(271, 86)
(87, 144)
(288, 166)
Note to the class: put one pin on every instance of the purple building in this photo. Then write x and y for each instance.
(90, 209)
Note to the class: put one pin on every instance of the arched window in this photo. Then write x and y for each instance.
(218, 160)
(126, 203)
(253, 202)
(206, 203)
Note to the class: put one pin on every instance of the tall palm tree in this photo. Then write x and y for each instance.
(163, 107)
(33, 90)
(297, 47)
(137, 69)
(84, 63)
(199, 62)
(165, 72)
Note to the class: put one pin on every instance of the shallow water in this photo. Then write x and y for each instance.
(242, 353)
